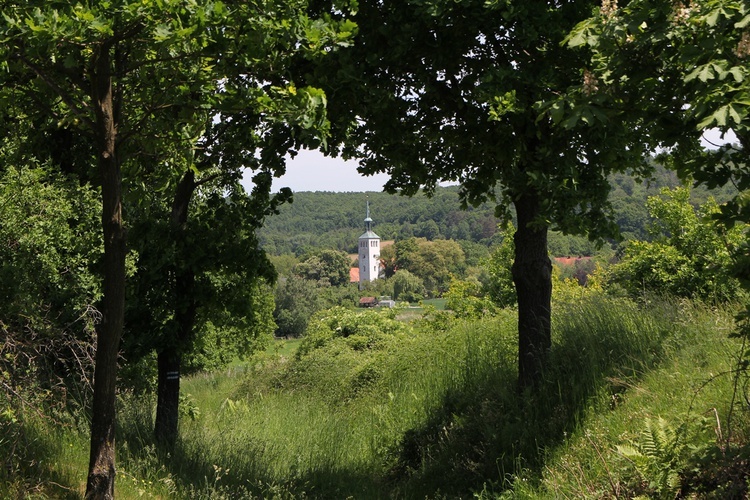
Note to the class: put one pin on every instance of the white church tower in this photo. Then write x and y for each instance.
(369, 252)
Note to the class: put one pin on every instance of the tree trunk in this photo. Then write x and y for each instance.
(168, 396)
(532, 276)
(169, 359)
(101, 475)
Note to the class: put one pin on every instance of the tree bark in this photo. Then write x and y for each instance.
(532, 276)
(101, 474)
(169, 363)
(169, 359)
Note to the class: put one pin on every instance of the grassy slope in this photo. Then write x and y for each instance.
(439, 415)
(690, 388)
(432, 414)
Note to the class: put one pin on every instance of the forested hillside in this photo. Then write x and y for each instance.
(328, 220)
(335, 220)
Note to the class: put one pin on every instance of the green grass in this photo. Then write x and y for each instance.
(283, 347)
(438, 304)
(442, 414)
(430, 413)
(690, 389)
(414, 312)
(48, 461)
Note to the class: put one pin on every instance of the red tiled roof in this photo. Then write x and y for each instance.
(566, 261)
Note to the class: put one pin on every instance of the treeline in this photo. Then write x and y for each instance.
(335, 220)
(328, 220)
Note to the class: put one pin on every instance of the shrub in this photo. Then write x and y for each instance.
(689, 255)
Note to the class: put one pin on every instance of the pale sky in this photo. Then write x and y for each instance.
(712, 138)
(311, 171)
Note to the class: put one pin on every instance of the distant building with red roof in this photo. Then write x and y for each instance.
(568, 261)
(354, 275)
(368, 302)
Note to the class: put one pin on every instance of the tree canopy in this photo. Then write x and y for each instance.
(688, 255)
(689, 60)
(683, 66)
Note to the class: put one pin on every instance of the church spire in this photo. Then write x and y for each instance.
(368, 220)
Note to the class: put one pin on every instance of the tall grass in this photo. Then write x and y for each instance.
(484, 431)
(431, 413)
(42, 459)
(440, 413)
(690, 390)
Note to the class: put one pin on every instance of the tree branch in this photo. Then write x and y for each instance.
(124, 137)
(67, 99)
(208, 179)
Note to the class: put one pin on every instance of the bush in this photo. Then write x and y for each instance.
(407, 286)
(360, 329)
(689, 255)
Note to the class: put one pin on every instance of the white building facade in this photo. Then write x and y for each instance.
(369, 253)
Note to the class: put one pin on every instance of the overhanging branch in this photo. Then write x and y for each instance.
(66, 98)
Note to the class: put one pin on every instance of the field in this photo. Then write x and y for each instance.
(429, 409)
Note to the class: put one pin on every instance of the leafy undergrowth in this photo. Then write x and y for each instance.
(635, 402)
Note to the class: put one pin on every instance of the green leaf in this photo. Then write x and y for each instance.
(713, 18)
(721, 116)
(703, 73)
(582, 34)
(556, 111)
(734, 113)
(10, 21)
(32, 26)
(98, 25)
(572, 120)
(738, 73)
(577, 39)
(162, 32)
(720, 67)
(742, 22)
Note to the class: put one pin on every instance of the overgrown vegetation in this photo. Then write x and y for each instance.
(372, 407)
(642, 395)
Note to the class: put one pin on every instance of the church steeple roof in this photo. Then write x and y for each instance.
(368, 225)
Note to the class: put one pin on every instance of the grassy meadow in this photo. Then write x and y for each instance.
(636, 398)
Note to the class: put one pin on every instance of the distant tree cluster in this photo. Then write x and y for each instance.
(318, 281)
(415, 268)
(326, 220)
